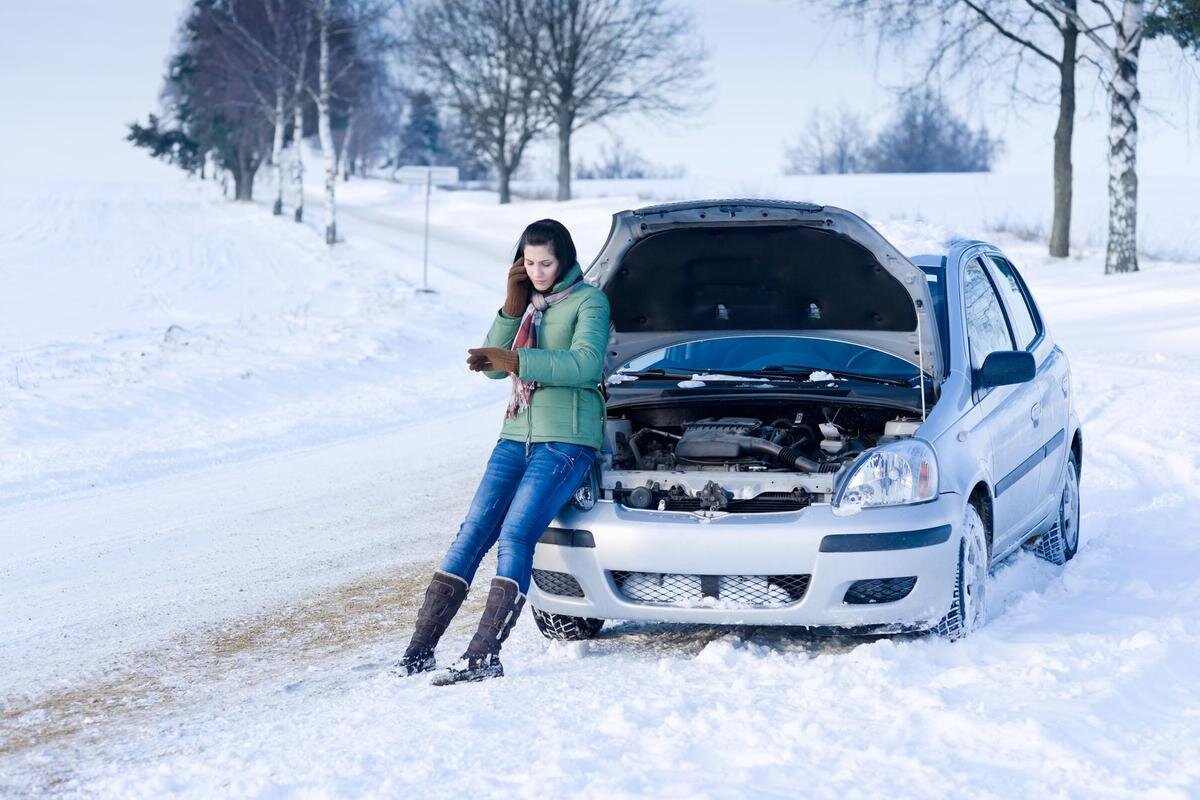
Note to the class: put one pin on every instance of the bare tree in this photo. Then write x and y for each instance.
(299, 81)
(619, 161)
(483, 61)
(341, 28)
(215, 97)
(324, 100)
(981, 34)
(605, 58)
(1023, 30)
(275, 36)
(829, 144)
(925, 135)
(1117, 33)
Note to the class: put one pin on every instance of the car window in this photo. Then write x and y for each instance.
(935, 277)
(757, 352)
(1025, 324)
(987, 330)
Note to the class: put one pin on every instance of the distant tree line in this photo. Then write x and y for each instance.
(924, 135)
(618, 161)
(466, 83)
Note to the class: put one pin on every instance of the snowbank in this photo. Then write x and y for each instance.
(185, 632)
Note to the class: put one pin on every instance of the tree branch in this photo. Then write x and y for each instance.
(1006, 33)
(1107, 49)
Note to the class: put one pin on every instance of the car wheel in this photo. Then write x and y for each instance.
(968, 606)
(1059, 544)
(564, 628)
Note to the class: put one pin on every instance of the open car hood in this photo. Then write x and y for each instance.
(695, 270)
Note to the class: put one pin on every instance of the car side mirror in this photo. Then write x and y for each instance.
(1005, 367)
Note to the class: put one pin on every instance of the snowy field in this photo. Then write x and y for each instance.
(232, 458)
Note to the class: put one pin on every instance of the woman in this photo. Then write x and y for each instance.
(549, 338)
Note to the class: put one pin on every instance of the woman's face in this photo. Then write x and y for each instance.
(541, 266)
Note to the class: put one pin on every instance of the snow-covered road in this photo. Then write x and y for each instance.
(217, 626)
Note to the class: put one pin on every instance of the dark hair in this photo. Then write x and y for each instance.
(553, 233)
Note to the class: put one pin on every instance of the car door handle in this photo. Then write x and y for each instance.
(1035, 413)
(1066, 385)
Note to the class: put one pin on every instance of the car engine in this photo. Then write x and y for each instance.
(669, 458)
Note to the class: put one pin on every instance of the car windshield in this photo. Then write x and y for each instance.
(782, 353)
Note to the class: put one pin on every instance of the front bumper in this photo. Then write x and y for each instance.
(918, 541)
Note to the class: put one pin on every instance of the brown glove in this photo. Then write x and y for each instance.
(518, 289)
(493, 359)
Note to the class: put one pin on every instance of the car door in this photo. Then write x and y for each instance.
(1052, 381)
(1006, 411)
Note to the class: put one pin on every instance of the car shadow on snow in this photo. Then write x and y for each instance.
(657, 639)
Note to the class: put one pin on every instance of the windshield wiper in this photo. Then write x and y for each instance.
(794, 371)
(788, 372)
(699, 374)
(654, 373)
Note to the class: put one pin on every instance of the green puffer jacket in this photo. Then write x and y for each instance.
(568, 363)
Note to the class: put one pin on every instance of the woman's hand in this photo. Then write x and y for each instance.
(518, 289)
(493, 359)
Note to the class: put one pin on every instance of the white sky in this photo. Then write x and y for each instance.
(74, 72)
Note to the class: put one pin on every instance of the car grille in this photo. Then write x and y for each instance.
(664, 588)
(559, 583)
(879, 590)
(763, 503)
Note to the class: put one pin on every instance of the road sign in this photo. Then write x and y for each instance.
(438, 176)
(427, 176)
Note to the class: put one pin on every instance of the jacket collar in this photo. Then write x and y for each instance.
(573, 274)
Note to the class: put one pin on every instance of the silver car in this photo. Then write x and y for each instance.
(807, 427)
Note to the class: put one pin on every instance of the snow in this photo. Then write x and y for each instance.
(210, 552)
(716, 376)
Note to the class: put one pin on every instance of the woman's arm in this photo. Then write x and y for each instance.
(502, 334)
(580, 365)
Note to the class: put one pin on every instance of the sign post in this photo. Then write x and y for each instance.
(415, 176)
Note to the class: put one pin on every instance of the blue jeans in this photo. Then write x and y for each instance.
(515, 501)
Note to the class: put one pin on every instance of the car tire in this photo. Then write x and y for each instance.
(968, 605)
(1059, 544)
(564, 628)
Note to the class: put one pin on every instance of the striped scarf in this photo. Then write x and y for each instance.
(527, 336)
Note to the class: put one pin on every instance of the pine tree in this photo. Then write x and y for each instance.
(420, 141)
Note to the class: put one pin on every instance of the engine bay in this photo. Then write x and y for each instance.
(779, 456)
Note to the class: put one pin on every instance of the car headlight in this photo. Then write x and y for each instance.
(894, 474)
(585, 496)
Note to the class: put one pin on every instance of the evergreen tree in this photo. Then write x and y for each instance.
(420, 140)
(1179, 19)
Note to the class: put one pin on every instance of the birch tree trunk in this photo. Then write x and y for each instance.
(324, 127)
(1123, 100)
(277, 151)
(298, 158)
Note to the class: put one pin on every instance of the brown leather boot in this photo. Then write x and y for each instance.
(443, 597)
(482, 658)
